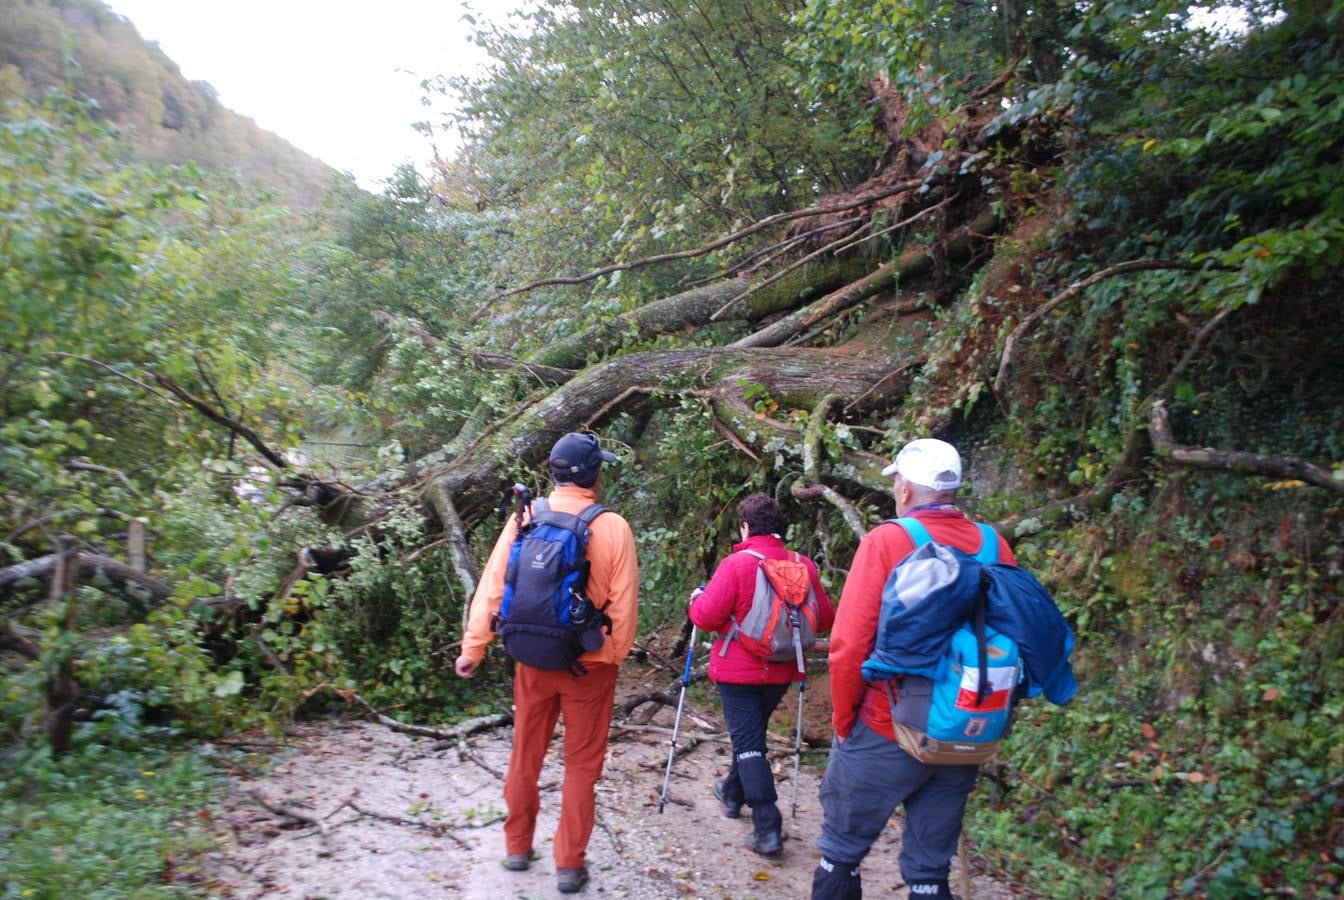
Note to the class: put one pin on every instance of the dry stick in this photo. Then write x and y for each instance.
(713, 245)
(413, 823)
(103, 365)
(282, 810)
(1196, 346)
(773, 250)
(734, 440)
(1101, 494)
(456, 538)
(901, 369)
(904, 222)
(784, 272)
(460, 730)
(40, 521)
(76, 465)
(1073, 290)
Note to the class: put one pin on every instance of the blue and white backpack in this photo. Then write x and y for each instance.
(546, 619)
(958, 678)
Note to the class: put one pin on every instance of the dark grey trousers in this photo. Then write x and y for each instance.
(866, 778)
(746, 711)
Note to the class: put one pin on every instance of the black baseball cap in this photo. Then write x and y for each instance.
(577, 457)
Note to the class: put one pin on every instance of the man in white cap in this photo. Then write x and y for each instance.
(868, 774)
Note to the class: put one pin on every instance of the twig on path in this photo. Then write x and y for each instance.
(431, 827)
(453, 734)
(296, 815)
(615, 841)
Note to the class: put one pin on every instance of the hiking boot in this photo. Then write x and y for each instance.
(768, 843)
(934, 889)
(732, 809)
(571, 881)
(519, 862)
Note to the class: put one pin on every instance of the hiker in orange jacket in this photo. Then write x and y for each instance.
(541, 696)
(749, 686)
(867, 774)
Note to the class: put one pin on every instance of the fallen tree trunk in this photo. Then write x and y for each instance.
(696, 307)
(796, 378)
(910, 265)
(99, 571)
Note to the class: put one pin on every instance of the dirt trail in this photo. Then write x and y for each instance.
(405, 817)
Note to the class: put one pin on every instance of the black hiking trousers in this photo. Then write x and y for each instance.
(746, 710)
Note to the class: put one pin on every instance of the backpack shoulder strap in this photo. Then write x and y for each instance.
(591, 512)
(989, 544)
(919, 535)
(760, 556)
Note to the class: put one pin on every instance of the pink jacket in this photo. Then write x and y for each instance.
(729, 593)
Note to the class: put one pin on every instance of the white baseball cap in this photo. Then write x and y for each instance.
(930, 463)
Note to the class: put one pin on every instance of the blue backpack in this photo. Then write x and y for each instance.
(546, 619)
(958, 677)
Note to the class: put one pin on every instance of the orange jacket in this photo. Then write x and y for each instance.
(613, 580)
(855, 629)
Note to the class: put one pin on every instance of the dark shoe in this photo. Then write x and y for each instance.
(732, 809)
(571, 881)
(767, 844)
(519, 862)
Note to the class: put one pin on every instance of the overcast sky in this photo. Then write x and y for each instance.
(339, 79)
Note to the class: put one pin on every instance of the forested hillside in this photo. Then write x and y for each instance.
(755, 246)
(83, 47)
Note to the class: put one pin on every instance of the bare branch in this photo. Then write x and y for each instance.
(1073, 290)
(784, 272)
(1273, 465)
(213, 415)
(710, 247)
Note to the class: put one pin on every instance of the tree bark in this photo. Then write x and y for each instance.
(1272, 465)
(99, 571)
(696, 307)
(910, 265)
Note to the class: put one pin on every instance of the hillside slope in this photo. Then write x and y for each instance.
(82, 46)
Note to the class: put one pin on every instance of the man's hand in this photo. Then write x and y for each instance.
(465, 667)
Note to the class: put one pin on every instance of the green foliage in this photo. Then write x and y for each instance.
(390, 621)
(616, 131)
(102, 823)
(1202, 756)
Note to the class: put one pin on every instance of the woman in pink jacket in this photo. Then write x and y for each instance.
(749, 686)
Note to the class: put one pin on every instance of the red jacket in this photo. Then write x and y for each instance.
(856, 623)
(729, 593)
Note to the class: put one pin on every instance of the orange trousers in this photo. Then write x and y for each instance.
(539, 699)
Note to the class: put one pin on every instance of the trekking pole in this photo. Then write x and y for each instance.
(676, 724)
(798, 747)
